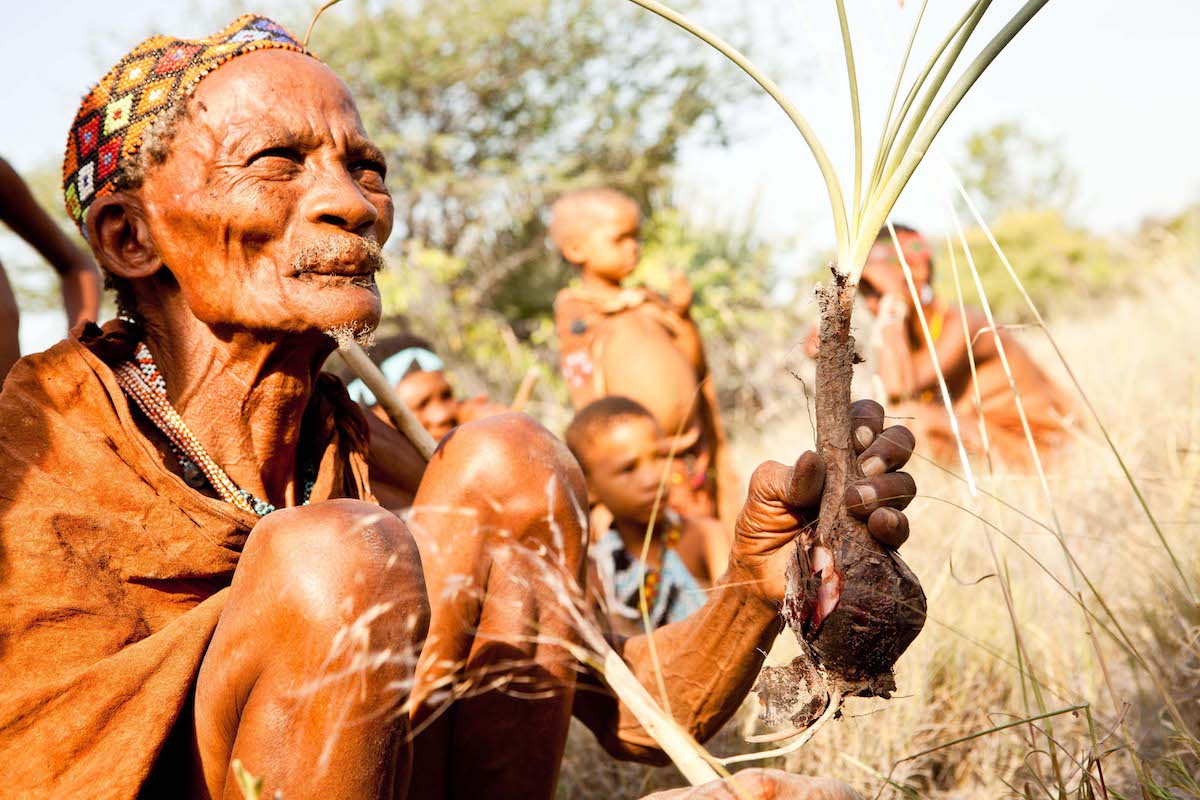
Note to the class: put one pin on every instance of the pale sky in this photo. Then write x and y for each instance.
(1113, 81)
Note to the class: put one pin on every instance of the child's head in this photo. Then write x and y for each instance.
(419, 378)
(623, 453)
(597, 231)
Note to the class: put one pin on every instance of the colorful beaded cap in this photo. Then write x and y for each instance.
(114, 116)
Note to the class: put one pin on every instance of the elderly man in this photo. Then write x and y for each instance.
(193, 571)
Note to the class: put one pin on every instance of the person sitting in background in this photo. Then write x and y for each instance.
(635, 342)
(78, 271)
(983, 402)
(419, 377)
(623, 453)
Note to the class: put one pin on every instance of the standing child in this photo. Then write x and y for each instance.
(634, 342)
(623, 453)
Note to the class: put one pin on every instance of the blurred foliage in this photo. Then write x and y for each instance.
(1025, 187)
(487, 112)
(1007, 168)
(1064, 269)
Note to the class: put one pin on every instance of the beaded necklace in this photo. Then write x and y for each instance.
(652, 576)
(142, 383)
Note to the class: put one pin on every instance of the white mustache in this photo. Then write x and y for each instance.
(326, 255)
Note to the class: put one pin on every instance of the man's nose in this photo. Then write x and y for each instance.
(335, 199)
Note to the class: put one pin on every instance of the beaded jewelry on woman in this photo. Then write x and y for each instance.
(142, 383)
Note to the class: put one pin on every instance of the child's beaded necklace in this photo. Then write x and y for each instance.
(652, 576)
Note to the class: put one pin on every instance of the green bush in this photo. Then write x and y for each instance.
(1065, 269)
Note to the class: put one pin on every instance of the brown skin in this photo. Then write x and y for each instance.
(272, 162)
(76, 269)
(763, 784)
(624, 467)
(431, 399)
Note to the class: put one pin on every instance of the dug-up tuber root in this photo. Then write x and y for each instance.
(853, 603)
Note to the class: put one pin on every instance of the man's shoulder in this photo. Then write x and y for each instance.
(51, 380)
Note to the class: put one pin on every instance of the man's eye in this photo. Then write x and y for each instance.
(288, 153)
(369, 165)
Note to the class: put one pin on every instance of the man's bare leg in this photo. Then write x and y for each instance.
(500, 518)
(308, 675)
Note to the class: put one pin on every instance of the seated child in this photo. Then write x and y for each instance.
(420, 380)
(623, 453)
(637, 343)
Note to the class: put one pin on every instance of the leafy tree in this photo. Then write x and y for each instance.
(489, 110)
(1011, 169)
(1065, 269)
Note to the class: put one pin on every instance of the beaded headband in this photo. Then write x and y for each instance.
(115, 114)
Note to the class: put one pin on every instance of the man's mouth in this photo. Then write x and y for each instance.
(321, 278)
(339, 261)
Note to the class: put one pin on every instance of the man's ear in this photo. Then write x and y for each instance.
(120, 236)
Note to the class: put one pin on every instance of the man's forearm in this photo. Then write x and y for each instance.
(709, 661)
(21, 212)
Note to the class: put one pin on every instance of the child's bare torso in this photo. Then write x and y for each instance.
(633, 346)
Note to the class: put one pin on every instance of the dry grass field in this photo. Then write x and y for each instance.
(1095, 631)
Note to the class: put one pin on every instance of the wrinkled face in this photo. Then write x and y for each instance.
(625, 465)
(429, 396)
(609, 246)
(271, 207)
(883, 274)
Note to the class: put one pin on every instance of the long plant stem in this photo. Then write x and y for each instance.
(887, 118)
(893, 125)
(880, 206)
(1082, 394)
(976, 397)
(968, 473)
(957, 44)
(855, 113)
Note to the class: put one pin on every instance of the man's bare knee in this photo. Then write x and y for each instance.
(327, 615)
(524, 474)
(337, 559)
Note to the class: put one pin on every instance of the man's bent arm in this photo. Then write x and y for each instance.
(80, 276)
(709, 662)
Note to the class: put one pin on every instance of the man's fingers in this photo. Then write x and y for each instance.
(890, 490)
(889, 451)
(808, 479)
(866, 421)
(797, 486)
(888, 526)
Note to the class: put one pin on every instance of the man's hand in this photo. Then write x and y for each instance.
(783, 501)
(763, 784)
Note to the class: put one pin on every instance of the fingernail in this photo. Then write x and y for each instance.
(874, 466)
(893, 520)
(866, 494)
(864, 435)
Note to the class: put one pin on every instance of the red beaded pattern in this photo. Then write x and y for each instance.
(114, 116)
